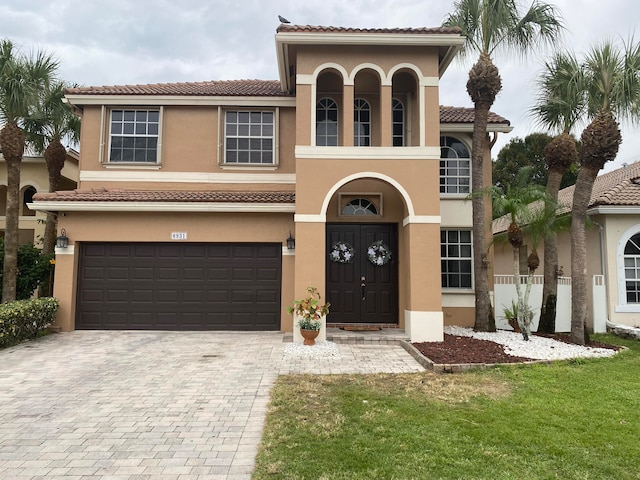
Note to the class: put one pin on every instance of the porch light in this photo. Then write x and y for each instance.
(62, 241)
(291, 242)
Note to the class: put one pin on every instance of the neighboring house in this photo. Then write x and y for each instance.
(613, 245)
(189, 192)
(34, 178)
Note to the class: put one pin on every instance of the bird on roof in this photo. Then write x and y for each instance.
(282, 19)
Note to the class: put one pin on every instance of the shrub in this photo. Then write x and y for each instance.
(24, 319)
(34, 269)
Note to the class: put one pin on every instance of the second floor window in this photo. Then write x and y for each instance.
(361, 123)
(134, 136)
(326, 123)
(249, 137)
(455, 166)
(398, 123)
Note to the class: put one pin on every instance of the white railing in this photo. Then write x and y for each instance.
(599, 304)
(505, 294)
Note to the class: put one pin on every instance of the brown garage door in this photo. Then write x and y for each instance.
(179, 286)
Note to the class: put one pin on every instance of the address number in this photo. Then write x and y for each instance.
(178, 235)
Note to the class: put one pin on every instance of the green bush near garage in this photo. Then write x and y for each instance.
(34, 269)
(25, 319)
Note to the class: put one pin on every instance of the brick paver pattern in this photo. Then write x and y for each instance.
(130, 405)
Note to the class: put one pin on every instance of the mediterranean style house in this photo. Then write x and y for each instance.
(34, 178)
(213, 205)
(613, 248)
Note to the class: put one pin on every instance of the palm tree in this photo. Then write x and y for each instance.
(561, 103)
(488, 26)
(522, 201)
(52, 122)
(21, 78)
(612, 79)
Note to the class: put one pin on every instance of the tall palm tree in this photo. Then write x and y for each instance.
(490, 26)
(560, 105)
(21, 78)
(612, 77)
(52, 122)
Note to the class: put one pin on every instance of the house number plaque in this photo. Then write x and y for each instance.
(178, 235)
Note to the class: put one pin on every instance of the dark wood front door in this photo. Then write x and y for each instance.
(360, 291)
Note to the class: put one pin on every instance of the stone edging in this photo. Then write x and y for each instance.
(457, 367)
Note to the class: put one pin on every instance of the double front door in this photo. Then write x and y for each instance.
(362, 273)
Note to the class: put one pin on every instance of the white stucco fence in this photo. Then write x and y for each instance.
(505, 294)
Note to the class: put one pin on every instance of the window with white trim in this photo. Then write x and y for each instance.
(326, 123)
(397, 123)
(360, 206)
(455, 166)
(632, 269)
(134, 136)
(249, 137)
(455, 258)
(361, 123)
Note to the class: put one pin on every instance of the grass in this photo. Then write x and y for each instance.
(569, 420)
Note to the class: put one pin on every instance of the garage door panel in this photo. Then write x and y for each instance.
(179, 286)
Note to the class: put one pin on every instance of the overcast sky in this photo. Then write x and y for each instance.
(116, 42)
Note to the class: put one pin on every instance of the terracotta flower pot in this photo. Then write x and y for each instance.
(309, 336)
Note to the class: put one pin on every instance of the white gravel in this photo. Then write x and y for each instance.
(540, 348)
(319, 350)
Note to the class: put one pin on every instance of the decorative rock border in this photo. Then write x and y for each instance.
(623, 331)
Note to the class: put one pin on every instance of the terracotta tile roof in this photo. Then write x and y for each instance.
(619, 187)
(230, 88)
(284, 27)
(466, 115)
(119, 195)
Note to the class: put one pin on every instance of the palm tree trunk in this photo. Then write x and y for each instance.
(55, 156)
(581, 197)
(12, 233)
(550, 288)
(484, 319)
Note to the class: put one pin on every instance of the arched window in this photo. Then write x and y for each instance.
(632, 269)
(455, 166)
(326, 123)
(398, 123)
(360, 206)
(27, 197)
(361, 123)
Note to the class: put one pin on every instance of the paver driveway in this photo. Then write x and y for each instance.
(150, 405)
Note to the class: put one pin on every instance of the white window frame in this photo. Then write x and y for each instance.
(623, 306)
(359, 105)
(460, 190)
(458, 258)
(262, 136)
(326, 107)
(157, 136)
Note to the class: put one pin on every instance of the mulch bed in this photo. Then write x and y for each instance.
(460, 350)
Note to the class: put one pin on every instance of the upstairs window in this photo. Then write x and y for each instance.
(326, 123)
(455, 166)
(398, 123)
(361, 123)
(134, 136)
(249, 137)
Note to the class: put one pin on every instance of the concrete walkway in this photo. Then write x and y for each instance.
(90, 405)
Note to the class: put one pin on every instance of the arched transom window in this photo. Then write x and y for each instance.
(455, 166)
(360, 206)
(326, 123)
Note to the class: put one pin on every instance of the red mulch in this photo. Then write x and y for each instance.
(459, 350)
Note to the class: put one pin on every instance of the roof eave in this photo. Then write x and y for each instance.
(120, 206)
(468, 127)
(78, 100)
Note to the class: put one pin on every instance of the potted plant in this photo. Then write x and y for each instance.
(309, 312)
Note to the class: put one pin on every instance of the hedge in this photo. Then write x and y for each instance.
(24, 319)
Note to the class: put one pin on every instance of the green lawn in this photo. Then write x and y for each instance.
(570, 420)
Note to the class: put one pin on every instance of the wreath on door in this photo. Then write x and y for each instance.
(341, 252)
(379, 254)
